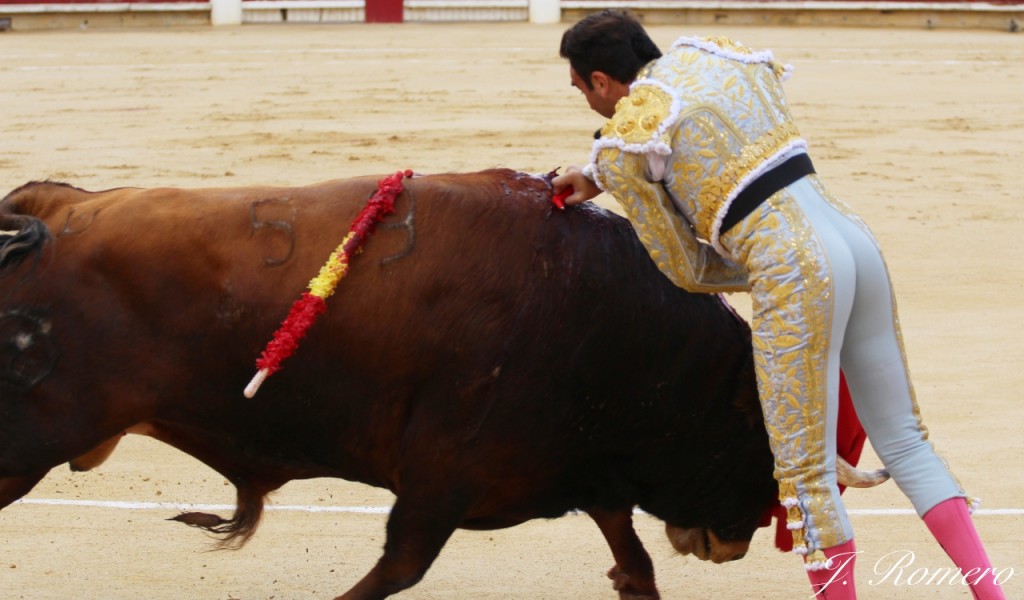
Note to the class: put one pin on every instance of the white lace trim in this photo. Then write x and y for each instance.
(654, 146)
(590, 172)
(797, 146)
(759, 57)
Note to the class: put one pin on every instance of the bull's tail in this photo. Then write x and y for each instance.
(235, 532)
(21, 237)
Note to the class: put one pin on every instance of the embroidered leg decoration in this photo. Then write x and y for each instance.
(797, 370)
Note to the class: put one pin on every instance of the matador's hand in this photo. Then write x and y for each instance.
(583, 189)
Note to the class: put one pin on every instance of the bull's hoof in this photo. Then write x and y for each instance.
(622, 583)
(637, 596)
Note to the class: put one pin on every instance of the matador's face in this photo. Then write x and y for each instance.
(600, 94)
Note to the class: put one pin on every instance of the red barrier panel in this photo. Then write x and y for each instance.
(384, 11)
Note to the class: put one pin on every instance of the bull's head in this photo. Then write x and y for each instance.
(705, 544)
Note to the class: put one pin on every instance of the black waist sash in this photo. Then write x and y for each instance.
(788, 171)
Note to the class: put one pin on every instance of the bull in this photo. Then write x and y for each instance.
(488, 359)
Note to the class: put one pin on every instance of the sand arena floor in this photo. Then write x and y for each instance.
(920, 131)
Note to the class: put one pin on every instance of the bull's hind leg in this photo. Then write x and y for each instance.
(419, 526)
(633, 573)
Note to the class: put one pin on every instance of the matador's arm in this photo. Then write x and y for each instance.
(669, 238)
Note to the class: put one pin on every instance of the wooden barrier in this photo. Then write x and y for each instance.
(1007, 15)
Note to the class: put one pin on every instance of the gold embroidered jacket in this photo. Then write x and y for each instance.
(698, 125)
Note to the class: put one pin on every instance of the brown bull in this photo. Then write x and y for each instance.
(488, 359)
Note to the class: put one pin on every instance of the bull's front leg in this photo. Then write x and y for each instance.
(419, 526)
(14, 487)
(633, 573)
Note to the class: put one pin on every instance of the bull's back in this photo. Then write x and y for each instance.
(164, 298)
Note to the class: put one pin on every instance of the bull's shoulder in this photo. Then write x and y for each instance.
(492, 198)
(493, 185)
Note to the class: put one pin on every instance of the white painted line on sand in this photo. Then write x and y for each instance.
(383, 510)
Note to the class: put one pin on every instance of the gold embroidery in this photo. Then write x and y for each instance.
(816, 559)
(716, 188)
(728, 43)
(731, 120)
(638, 115)
(663, 231)
(731, 45)
(792, 302)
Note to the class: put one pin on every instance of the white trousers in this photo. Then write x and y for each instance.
(822, 299)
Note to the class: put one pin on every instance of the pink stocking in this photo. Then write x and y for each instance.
(836, 581)
(950, 523)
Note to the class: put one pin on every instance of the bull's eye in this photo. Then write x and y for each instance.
(27, 351)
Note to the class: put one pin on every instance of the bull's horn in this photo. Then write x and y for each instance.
(851, 476)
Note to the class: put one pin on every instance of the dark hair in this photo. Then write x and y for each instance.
(611, 41)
